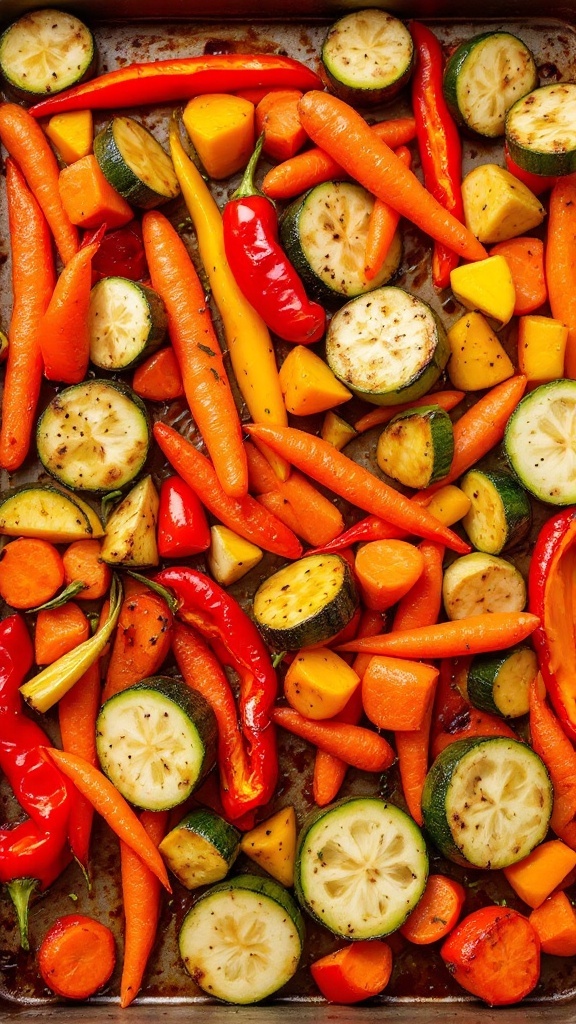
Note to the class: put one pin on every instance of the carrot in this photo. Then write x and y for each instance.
(398, 694)
(412, 748)
(64, 333)
(536, 876)
(382, 227)
(421, 605)
(551, 743)
(31, 571)
(475, 634)
(142, 642)
(255, 95)
(495, 954)
(359, 747)
(82, 562)
(59, 630)
(243, 515)
(560, 262)
(197, 350)
(108, 802)
(525, 258)
(158, 379)
(336, 127)
(77, 956)
(468, 724)
(77, 713)
(141, 900)
(354, 973)
(33, 280)
(555, 925)
(371, 624)
(277, 116)
(28, 145)
(320, 460)
(330, 770)
(386, 570)
(302, 172)
(447, 400)
(437, 912)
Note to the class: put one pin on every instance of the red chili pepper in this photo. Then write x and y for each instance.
(438, 141)
(261, 268)
(182, 526)
(537, 183)
(551, 597)
(121, 254)
(369, 528)
(163, 81)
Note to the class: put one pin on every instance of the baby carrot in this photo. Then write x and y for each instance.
(560, 261)
(77, 713)
(141, 900)
(382, 227)
(437, 912)
(359, 747)
(445, 399)
(142, 641)
(82, 562)
(475, 634)
(525, 258)
(553, 746)
(59, 630)
(386, 570)
(64, 334)
(421, 605)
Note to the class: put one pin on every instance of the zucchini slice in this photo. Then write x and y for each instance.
(94, 436)
(135, 164)
(476, 584)
(47, 513)
(540, 442)
(388, 347)
(324, 233)
(483, 79)
(500, 513)
(46, 51)
(130, 538)
(361, 867)
(368, 56)
(201, 849)
(417, 446)
(541, 130)
(487, 802)
(306, 602)
(242, 940)
(127, 322)
(500, 683)
(156, 741)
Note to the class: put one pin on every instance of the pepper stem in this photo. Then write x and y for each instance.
(158, 589)
(247, 187)
(21, 890)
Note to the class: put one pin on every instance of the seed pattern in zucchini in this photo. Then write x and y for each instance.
(540, 442)
(135, 164)
(500, 514)
(541, 130)
(46, 51)
(417, 446)
(477, 584)
(201, 849)
(126, 322)
(368, 56)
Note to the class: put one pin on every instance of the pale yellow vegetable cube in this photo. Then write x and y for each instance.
(72, 134)
(272, 845)
(337, 431)
(497, 206)
(541, 348)
(319, 683)
(230, 557)
(478, 360)
(449, 505)
(486, 286)
(221, 127)
(308, 384)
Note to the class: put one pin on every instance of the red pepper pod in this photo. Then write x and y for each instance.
(16, 660)
(121, 254)
(182, 526)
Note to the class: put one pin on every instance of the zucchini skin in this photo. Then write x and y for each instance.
(120, 176)
(529, 158)
(209, 827)
(516, 509)
(157, 316)
(364, 95)
(18, 92)
(482, 675)
(441, 440)
(563, 491)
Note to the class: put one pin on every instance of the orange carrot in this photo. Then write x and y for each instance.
(142, 642)
(261, 476)
(82, 562)
(28, 145)
(555, 925)
(33, 280)
(382, 227)
(468, 724)
(77, 956)
(333, 469)
(372, 624)
(386, 570)
(77, 713)
(412, 748)
(277, 116)
(354, 973)
(197, 350)
(476, 634)
(158, 379)
(108, 802)
(342, 132)
(525, 258)
(31, 571)
(359, 747)
(59, 630)
(560, 262)
(536, 877)
(447, 400)
(437, 913)
(243, 515)
(64, 334)
(398, 694)
(551, 743)
(302, 172)
(141, 900)
(421, 605)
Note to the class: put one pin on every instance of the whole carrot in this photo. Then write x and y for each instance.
(206, 383)
(142, 641)
(64, 335)
(28, 145)
(359, 747)
(447, 400)
(32, 286)
(77, 713)
(333, 469)
(476, 634)
(561, 262)
(382, 227)
(343, 133)
(141, 900)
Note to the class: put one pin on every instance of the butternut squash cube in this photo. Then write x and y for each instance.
(541, 348)
(486, 286)
(319, 683)
(449, 505)
(221, 128)
(230, 557)
(498, 206)
(272, 845)
(336, 431)
(308, 384)
(88, 198)
(478, 360)
(535, 877)
(72, 134)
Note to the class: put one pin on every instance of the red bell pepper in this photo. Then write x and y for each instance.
(537, 183)
(438, 141)
(121, 254)
(182, 526)
(262, 270)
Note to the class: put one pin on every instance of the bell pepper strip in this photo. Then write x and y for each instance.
(121, 254)
(475, 634)
(551, 597)
(362, 748)
(164, 81)
(438, 142)
(560, 262)
(551, 743)
(77, 714)
(182, 526)
(262, 270)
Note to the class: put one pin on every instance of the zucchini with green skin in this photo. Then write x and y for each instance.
(500, 683)
(368, 57)
(45, 52)
(541, 130)
(500, 513)
(477, 583)
(417, 446)
(243, 939)
(130, 538)
(126, 321)
(540, 442)
(201, 849)
(135, 164)
(487, 802)
(45, 512)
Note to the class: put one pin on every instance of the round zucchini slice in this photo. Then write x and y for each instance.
(127, 322)
(135, 164)
(201, 849)
(242, 940)
(45, 52)
(500, 513)
(388, 347)
(500, 683)
(361, 867)
(487, 801)
(156, 741)
(368, 57)
(476, 584)
(306, 602)
(540, 442)
(417, 446)
(541, 130)
(94, 436)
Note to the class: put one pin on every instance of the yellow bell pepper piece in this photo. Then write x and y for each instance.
(272, 845)
(221, 128)
(541, 348)
(477, 358)
(72, 134)
(337, 431)
(497, 206)
(319, 683)
(230, 557)
(486, 286)
(449, 505)
(308, 384)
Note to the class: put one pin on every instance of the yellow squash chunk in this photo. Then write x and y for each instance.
(541, 348)
(272, 845)
(221, 128)
(449, 505)
(477, 358)
(486, 286)
(319, 683)
(130, 538)
(72, 134)
(230, 557)
(308, 384)
(497, 206)
(336, 431)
